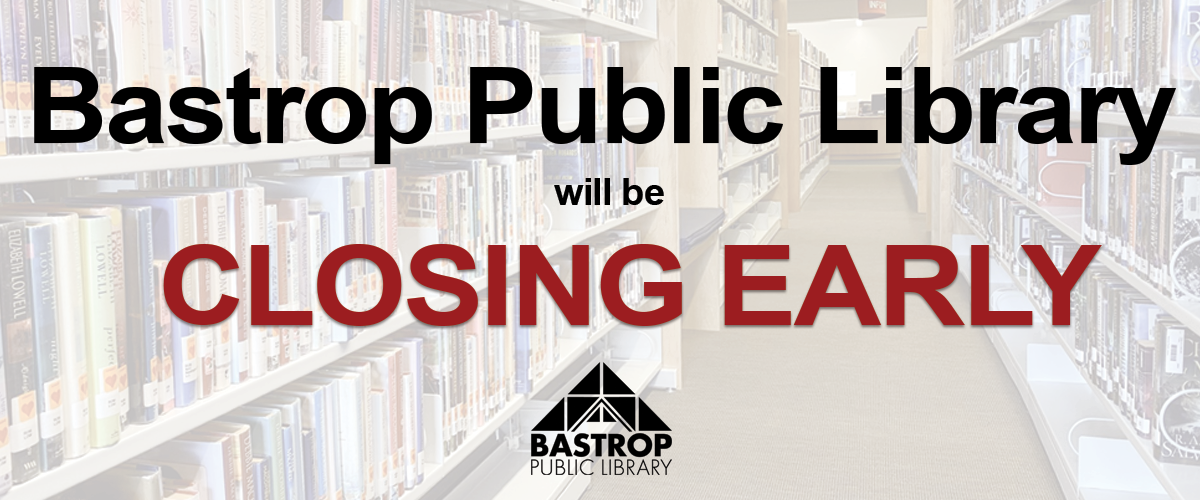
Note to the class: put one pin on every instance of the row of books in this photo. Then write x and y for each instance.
(574, 61)
(368, 426)
(741, 186)
(762, 11)
(731, 150)
(446, 46)
(734, 79)
(976, 21)
(1119, 43)
(810, 150)
(745, 40)
(1141, 358)
(1144, 215)
(311, 44)
(106, 350)
(471, 202)
(99, 350)
(575, 164)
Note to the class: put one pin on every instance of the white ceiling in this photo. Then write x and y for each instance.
(805, 11)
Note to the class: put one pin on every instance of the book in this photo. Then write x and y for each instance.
(242, 477)
(213, 452)
(20, 355)
(99, 308)
(266, 430)
(6, 471)
(44, 312)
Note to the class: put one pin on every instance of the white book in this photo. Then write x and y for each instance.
(99, 308)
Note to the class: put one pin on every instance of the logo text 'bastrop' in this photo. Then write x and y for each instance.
(562, 445)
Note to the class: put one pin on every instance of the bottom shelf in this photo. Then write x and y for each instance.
(1069, 412)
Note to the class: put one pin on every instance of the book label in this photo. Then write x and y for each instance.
(24, 432)
(52, 418)
(123, 389)
(1173, 359)
(80, 410)
(108, 403)
(166, 393)
(5, 449)
(244, 355)
(190, 365)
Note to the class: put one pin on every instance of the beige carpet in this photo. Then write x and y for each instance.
(838, 410)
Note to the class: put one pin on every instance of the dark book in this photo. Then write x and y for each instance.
(19, 353)
(141, 295)
(44, 311)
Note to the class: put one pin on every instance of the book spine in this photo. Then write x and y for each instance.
(6, 459)
(309, 456)
(166, 343)
(141, 307)
(8, 93)
(43, 299)
(38, 53)
(103, 60)
(20, 359)
(224, 333)
(233, 50)
(99, 307)
(22, 37)
(274, 344)
(116, 280)
(289, 470)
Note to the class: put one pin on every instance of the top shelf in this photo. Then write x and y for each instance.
(555, 17)
(1029, 25)
(748, 16)
(36, 168)
(734, 61)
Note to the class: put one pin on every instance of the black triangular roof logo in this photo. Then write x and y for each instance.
(601, 396)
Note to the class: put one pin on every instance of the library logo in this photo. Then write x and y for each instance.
(562, 445)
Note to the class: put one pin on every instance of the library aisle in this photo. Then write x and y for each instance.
(840, 410)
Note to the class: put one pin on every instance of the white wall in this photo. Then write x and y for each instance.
(867, 50)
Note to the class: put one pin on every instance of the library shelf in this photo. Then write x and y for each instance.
(508, 475)
(1188, 315)
(745, 209)
(810, 87)
(753, 112)
(138, 439)
(748, 159)
(811, 111)
(556, 17)
(748, 16)
(1028, 25)
(742, 63)
(1172, 124)
(1056, 406)
(822, 168)
(35, 168)
(437, 473)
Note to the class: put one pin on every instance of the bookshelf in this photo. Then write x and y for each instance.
(1062, 404)
(644, 36)
(982, 188)
(803, 144)
(756, 186)
(914, 157)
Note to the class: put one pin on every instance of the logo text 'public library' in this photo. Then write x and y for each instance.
(561, 444)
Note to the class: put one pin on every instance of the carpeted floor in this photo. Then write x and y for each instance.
(838, 410)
